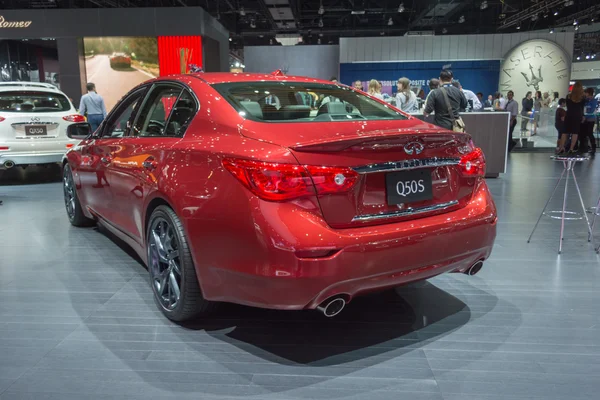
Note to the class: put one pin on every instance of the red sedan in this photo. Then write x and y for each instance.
(278, 192)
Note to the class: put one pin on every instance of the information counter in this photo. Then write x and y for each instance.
(490, 132)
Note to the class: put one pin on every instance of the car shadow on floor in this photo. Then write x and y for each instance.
(31, 175)
(260, 352)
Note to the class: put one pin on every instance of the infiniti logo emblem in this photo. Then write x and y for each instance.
(413, 147)
(35, 119)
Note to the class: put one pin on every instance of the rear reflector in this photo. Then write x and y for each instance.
(4, 148)
(280, 182)
(69, 145)
(2, 119)
(473, 164)
(74, 118)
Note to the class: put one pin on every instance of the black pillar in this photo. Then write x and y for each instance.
(71, 59)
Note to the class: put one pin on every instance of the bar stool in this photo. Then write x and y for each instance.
(596, 212)
(564, 215)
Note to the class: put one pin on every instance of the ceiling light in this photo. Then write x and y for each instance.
(568, 3)
(578, 58)
(484, 5)
(320, 22)
(401, 8)
(319, 41)
(587, 57)
(551, 30)
(237, 64)
(555, 13)
(382, 33)
(390, 21)
(575, 22)
(461, 19)
(242, 11)
(577, 28)
(444, 31)
(534, 17)
(593, 56)
(252, 24)
(321, 9)
(518, 27)
(230, 39)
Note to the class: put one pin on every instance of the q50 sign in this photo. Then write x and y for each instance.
(13, 24)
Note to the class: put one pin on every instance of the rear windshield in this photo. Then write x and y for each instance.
(28, 101)
(302, 102)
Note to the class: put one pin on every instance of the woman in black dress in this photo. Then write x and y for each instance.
(573, 118)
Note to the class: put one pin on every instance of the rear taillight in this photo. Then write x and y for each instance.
(279, 182)
(2, 119)
(473, 164)
(74, 118)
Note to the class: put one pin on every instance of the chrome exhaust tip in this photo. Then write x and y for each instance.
(332, 307)
(475, 268)
(8, 164)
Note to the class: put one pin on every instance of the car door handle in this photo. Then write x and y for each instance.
(149, 163)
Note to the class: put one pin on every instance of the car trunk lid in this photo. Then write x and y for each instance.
(394, 160)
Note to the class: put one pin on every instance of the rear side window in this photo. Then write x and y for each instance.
(29, 101)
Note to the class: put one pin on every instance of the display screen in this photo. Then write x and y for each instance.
(118, 64)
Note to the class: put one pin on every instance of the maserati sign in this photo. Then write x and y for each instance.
(13, 24)
(535, 65)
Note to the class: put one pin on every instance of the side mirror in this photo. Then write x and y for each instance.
(79, 131)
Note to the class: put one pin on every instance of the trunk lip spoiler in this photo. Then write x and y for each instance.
(404, 165)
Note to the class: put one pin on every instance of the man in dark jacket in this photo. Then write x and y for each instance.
(436, 102)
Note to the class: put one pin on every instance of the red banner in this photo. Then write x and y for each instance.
(176, 53)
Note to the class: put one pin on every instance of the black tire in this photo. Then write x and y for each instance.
(191, 303)
(72, 204)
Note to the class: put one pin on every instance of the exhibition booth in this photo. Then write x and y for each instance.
(115, 49)
(521, 62)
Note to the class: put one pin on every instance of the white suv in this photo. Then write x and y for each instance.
(33, 124)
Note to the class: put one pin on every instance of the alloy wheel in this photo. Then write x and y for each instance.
(69, 192)
(164, 263)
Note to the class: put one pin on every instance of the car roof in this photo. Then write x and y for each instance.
(228, 77)
(34, 86)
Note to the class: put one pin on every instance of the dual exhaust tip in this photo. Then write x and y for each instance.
(334, 305)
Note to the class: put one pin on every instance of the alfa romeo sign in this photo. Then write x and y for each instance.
(13, 24)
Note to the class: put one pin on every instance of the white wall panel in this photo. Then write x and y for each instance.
(313, 61)
(444, 47)
(419, 48)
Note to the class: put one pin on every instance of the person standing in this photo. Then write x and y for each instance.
(489, 103)
(357, 85)
(513, 108)
(559, 120)
(406, 99)
(527, 104)
(471, 97)
(92, 106)
(436, 102)
(537, 111)
(573, 118)
(587, 127)
(375, 89)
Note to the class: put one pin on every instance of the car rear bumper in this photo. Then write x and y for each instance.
(43, 151)
(31, 158)
(363, 259)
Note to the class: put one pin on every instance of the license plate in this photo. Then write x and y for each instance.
(408, 186)
(36, 130)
